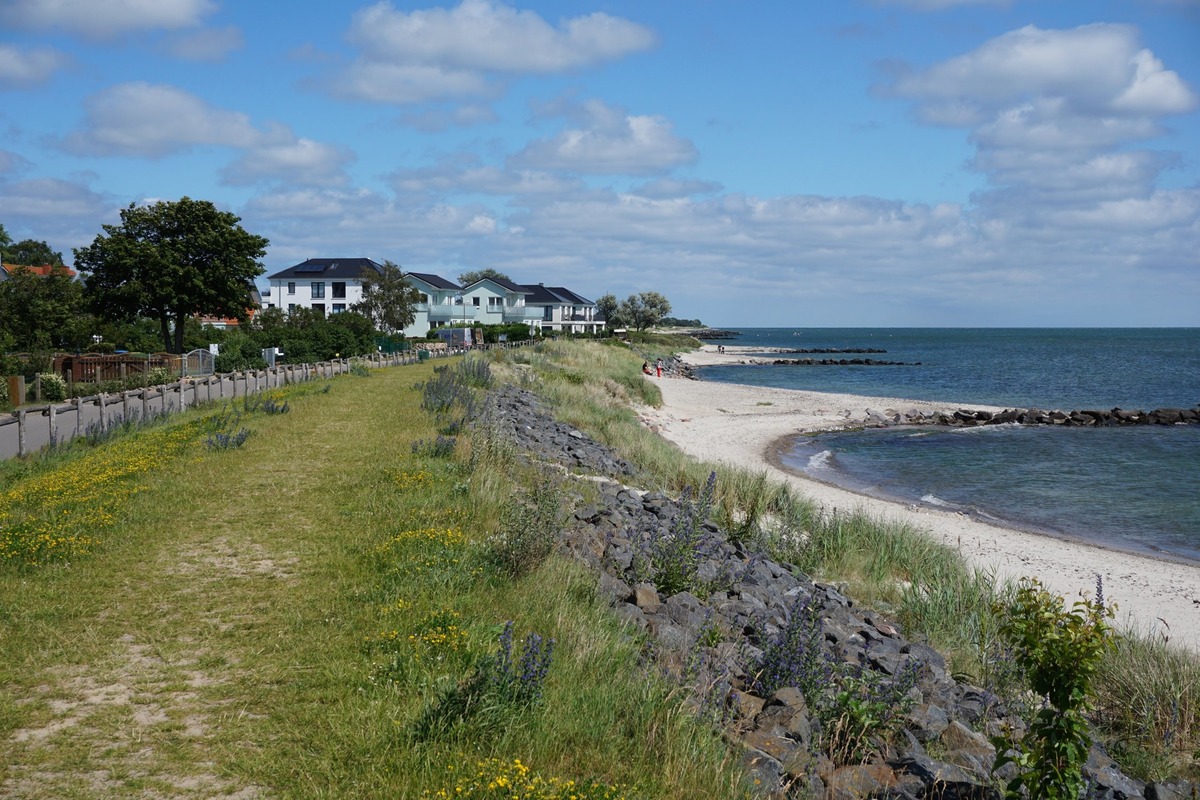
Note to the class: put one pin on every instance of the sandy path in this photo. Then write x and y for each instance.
(741, 425)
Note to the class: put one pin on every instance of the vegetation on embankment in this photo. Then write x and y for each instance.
(302, 615)
(319, 611)
(1147, 690)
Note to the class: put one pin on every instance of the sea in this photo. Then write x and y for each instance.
(1130, 488)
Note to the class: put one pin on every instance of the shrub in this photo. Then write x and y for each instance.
(3, 392)
(498, 689)
(529, 526)
(1060, 652)
(54, 388)
(360, 370)
(441, 447)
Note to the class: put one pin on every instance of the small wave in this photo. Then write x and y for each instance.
(934, 500)
(820, 461)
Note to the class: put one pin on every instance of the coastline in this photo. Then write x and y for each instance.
(745, 426)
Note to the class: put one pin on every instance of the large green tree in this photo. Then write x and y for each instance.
(5, 241)
(41, 312)
(471, 276)
(389, 300)
(32, 254)
(606, 309)
(644, 310)
(169, 261)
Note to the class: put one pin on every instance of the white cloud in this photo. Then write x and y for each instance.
(103, 19)
(25, 69)
(493, 37)
(613, 143)
(414, 56)
(291, 160)
(12, 163)
(1055, 116)
(209, 44)
(663, 188)
(1093, 69)
(154, 120)
(400, 84)
(475, 178)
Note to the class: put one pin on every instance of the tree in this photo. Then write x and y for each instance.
(606, 309)
(388, 299)
(642, 311)
(32, 254)
(5, 241)
(471, 276)
(41, 311)
(172, 260)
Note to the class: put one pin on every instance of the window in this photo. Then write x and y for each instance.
(475, 301)
(339, 290)
(548, 314)
(291, 287)
(291, 308)
(495, 303)
(319, 308)
(318, 290)
(338, 307)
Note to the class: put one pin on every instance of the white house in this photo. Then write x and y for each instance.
(560, 309)
(328, 285)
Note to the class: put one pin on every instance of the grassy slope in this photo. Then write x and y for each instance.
(215, 642)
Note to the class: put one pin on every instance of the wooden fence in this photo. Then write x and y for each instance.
(30, 428)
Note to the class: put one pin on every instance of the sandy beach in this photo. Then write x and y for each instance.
(744, 425)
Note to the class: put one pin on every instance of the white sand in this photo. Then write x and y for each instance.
(741, 426)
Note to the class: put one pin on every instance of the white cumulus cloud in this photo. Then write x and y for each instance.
(610, 142)
(24, 69)
(413, 56)
(101, 19)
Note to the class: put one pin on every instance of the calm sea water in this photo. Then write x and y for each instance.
(1132, 488)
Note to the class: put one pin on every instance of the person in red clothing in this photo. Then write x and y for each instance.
(658, 366)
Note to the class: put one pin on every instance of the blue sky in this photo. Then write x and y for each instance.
(872, 163)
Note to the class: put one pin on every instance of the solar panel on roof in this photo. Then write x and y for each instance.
(308, 267)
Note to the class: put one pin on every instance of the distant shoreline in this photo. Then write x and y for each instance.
(746, 426)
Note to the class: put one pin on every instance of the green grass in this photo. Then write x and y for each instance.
(246, 627)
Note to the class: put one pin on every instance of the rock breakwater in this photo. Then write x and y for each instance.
(1033, 416)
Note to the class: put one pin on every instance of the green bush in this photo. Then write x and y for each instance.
(54, 388)
(1060, 652)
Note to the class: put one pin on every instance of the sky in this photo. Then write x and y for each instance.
(861, 163)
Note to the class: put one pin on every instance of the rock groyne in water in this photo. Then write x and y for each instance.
(966, 418)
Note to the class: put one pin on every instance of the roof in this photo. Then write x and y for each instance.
(328, 269)
(505, 284)
(551, 295)
(436, 281)
(571, 297)
(43, 270)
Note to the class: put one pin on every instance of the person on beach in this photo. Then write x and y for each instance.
(646, 367)
(658, 366)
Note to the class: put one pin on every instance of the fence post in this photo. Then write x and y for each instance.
(37, 387)
(102, 425)
(125, 405)
(53, 425)
(78, 401)
(145, 401)
(20, 431)
(182, 396)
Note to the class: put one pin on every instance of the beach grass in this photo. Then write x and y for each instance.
(277, 618)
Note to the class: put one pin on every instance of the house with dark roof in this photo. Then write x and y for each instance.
(328, 285)
(498, 301)
(560, 309)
